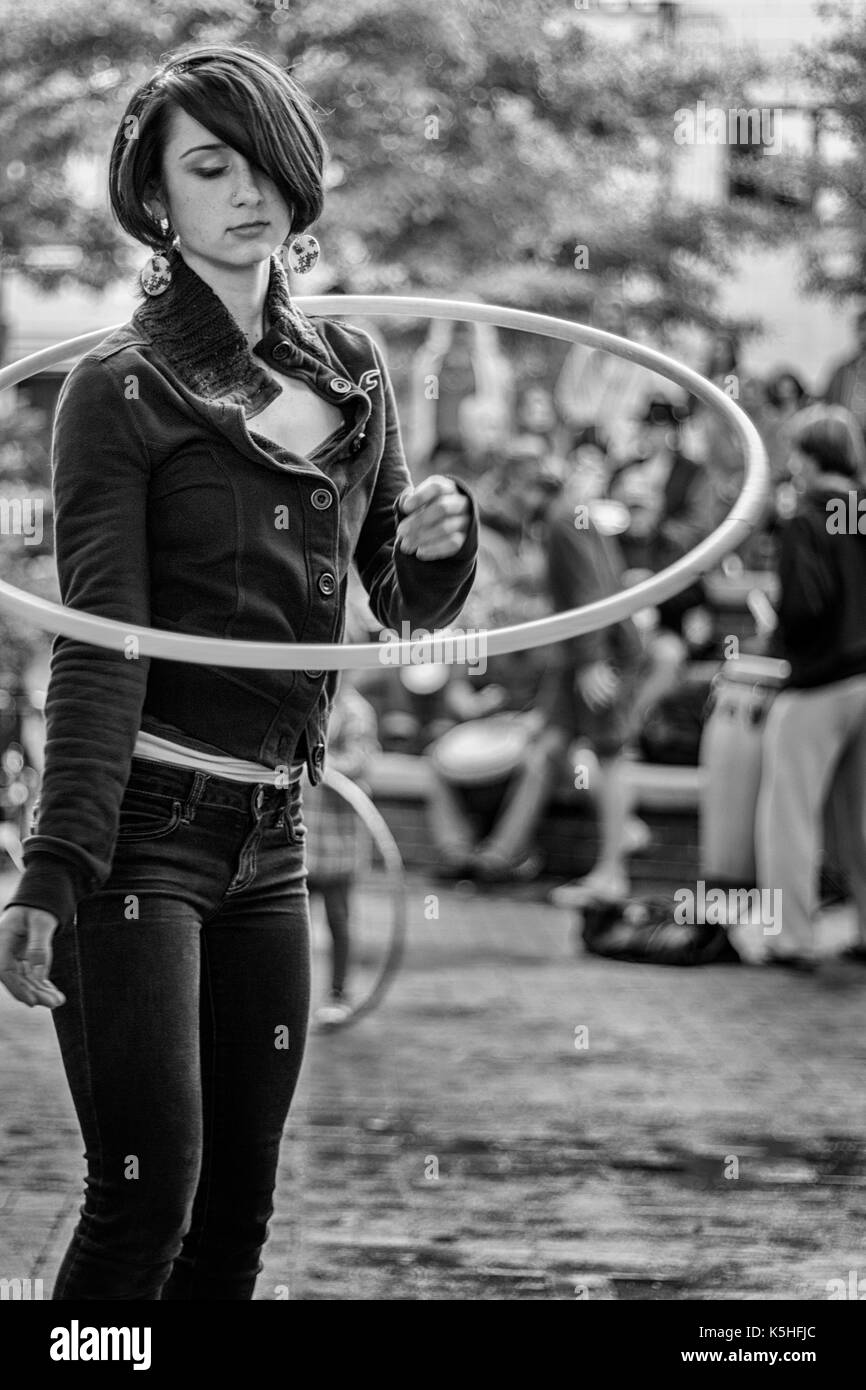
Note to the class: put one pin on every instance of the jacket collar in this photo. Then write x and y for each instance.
(194, 331)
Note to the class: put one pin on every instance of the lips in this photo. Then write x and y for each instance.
(247, 226)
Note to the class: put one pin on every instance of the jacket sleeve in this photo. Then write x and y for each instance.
(100, 473)
(426, 593)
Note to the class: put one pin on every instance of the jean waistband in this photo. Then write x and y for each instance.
(191, 786)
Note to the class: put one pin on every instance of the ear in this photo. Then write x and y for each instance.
(154, 201)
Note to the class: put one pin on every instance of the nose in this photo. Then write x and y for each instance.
(246, 190)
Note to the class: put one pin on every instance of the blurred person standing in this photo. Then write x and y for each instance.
(814, 748)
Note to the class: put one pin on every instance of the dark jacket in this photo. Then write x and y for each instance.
(822, 576)
(165, 512)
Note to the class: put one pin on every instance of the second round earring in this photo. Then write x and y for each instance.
(300, 253)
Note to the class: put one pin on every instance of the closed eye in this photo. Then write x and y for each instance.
(210, 173)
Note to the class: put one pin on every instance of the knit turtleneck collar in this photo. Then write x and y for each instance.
(192, 328)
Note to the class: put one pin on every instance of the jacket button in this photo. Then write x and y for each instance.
(319, 754)
(313, 675)
(340, 385)
(327, 584)
(282, 350)
(321, 499)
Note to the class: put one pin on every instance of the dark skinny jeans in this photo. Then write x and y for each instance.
(187, 985)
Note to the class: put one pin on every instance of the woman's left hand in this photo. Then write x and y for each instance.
(435, 519)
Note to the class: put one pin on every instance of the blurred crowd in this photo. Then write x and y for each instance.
(589, 479)
(588, 482)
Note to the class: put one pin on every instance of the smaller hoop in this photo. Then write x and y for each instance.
(374, 823)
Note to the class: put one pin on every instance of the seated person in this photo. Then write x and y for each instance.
(584, 689)
(668, 498)
(599, 671)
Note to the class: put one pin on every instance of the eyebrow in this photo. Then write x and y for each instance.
(217, 146)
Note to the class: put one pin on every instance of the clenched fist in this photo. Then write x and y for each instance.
(435, 519)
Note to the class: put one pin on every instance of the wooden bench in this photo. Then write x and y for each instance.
(667, 799)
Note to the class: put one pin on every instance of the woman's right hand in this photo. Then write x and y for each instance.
(25, 955)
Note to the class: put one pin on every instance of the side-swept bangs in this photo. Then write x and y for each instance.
(245, 100)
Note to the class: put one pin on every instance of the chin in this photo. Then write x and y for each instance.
(251, 254)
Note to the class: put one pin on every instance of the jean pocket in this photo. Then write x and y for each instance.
(148, 815)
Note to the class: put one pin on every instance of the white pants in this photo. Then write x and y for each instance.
(814, 762)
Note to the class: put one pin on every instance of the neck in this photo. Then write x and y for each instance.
(242, 290)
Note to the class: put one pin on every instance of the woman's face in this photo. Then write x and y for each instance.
(222, 208)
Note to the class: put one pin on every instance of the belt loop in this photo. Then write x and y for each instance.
(200, 781)
(289, 790)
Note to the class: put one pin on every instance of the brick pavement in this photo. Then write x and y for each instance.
(562, 1171)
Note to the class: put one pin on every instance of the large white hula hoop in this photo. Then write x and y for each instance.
(293, 656)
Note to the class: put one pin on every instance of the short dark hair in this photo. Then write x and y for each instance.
(831, 436)
(245, 99)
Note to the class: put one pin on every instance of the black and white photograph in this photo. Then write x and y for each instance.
(433, 669)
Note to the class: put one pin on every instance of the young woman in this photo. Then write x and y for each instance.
(219, 462)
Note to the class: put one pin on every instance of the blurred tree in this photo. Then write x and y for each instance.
(835, 246)
(475, 145)
(500, 150)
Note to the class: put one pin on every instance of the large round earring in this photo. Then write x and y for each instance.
(155, 275)
(300, 254)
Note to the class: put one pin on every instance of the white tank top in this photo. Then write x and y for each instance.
(164, 750)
